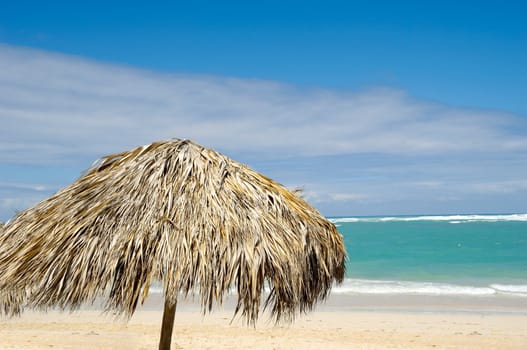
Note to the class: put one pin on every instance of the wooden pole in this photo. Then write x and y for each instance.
(167, 326)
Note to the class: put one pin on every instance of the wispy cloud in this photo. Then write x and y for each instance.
(325, 197)
(499, 187)
(24, 186)
(432, 184)
(60, 108)
(361, 152)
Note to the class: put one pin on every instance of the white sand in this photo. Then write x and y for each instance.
(376, 323)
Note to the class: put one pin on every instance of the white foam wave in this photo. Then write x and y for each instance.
(404, 287)
(515, 289)
(347, 220)
(358, 286)
(454, 219)
(155, 290)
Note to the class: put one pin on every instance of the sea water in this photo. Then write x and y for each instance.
(435, 255)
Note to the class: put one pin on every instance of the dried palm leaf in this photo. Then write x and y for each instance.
(174, 212)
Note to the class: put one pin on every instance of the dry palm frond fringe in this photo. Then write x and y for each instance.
(174, 212)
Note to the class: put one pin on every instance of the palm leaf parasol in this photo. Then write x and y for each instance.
(175, 212)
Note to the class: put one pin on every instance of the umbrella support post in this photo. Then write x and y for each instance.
(167, 326)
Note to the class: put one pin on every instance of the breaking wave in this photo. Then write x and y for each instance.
(359, 286)
(454, 219)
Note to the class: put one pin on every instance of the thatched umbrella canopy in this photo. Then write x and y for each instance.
(177, 213)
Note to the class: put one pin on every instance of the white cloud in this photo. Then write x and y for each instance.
(24, 186)
(431, 184)
(57, 108)
(396, 154)
(347, 196)
(323, 196)
(499, 187)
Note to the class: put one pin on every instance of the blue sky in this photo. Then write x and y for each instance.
(404, 107)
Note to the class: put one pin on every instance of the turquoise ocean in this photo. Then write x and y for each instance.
(472, 255)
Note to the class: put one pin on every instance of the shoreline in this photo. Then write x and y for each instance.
(343, 322)
(499, 304)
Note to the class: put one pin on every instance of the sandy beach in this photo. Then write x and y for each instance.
(344, 322)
